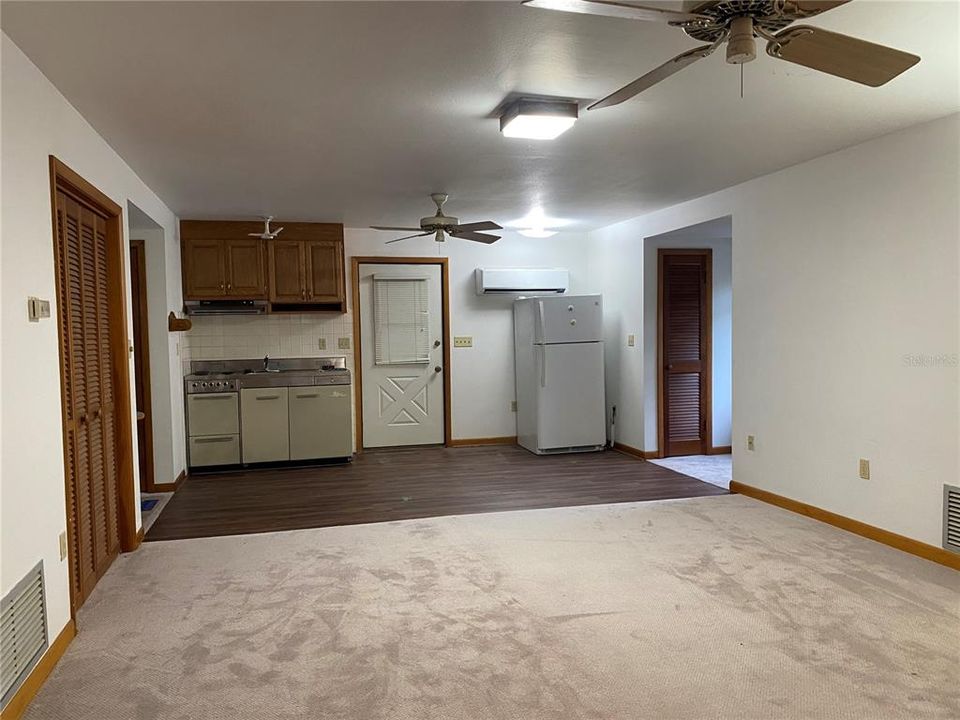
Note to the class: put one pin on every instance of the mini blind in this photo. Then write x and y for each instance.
(401, 319)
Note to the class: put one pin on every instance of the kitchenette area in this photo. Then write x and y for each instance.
(260, 387)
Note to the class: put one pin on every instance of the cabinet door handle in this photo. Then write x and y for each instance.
(309, 395)
(268, 397)
(225, 438)
(229, 286)
(222, 396)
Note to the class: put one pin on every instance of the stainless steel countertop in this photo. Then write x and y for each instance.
(232, 375)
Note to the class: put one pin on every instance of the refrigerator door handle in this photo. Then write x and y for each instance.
(539, 337)
(543, 366)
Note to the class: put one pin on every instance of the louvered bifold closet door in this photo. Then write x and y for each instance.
(90, 452)
(684, 354)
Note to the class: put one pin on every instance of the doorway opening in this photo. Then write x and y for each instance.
(688, 348)
(401, 328)
(141, 363)
(89, 257)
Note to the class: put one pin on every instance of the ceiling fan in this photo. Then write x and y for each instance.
(737, 23)
(267, 234)
(440, 225)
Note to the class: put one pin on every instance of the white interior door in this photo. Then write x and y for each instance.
(401, 334)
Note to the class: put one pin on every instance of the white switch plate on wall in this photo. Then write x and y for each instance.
(322, 343)
(631, 340)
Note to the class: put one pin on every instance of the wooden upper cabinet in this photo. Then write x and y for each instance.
(221, 262)
(246, 275)
(324, 271)
(203, 275)
(287, 271)
(302, 267)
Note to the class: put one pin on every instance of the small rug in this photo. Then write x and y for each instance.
(148, 505)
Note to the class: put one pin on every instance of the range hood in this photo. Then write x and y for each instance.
(225, 307)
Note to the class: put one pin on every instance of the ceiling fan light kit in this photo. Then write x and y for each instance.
(538, 119)
(737, 23)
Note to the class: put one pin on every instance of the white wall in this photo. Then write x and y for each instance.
(721, 328)
(37, 122)
(845, 325)
(482, 378)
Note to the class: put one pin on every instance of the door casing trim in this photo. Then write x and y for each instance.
(355, 263)
(707, 374)
(140, 303)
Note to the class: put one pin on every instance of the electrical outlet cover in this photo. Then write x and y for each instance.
(322, 343)
(343, 343)
(751, 443)
(864, 469)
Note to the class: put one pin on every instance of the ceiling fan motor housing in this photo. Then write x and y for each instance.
(769, 15)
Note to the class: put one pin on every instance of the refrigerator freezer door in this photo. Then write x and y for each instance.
(571, 406)
(569, 319)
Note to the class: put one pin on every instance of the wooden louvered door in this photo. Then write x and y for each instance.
(89, 393)
(684, 349)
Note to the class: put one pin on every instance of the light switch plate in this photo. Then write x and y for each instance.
(63, 545)
(322, 343)
(463, 341)
(751, 443)
(513, 405)
(343, 343)
(864, 469)
(631, 340)
(37, 309)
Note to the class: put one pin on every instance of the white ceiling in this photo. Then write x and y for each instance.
(355, 111)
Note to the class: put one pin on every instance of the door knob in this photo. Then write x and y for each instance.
(438, 369)
(436, 343)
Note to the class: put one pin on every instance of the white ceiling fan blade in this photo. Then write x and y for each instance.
(476, 237)
(407, 237)
(609, 8)
(654, 76)
(469, 227)
(841, 55)
(809, 8)
(392, 227)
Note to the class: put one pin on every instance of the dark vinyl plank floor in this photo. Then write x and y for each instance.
(407, 483)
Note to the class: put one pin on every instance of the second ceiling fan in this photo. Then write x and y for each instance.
(737, 23)
(440, 225)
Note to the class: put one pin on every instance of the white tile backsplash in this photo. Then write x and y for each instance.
(226, 337)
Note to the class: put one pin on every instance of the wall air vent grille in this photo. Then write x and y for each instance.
(951, 518)
(23, 631)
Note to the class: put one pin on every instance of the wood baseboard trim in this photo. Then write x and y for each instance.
(466, 442)
(721, 450)
(31, 686)
(871, 532)
(636, 452)
(171, 487)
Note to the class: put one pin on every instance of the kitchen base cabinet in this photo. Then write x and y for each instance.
(264, 424)
(320, 423)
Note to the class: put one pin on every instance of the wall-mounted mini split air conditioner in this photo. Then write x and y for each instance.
(522, 281)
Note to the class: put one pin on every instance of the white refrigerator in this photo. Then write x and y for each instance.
(559, 366)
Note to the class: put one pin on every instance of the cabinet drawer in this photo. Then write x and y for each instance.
(214, 450)
(264, 425)
(213, 414)
(320, 422)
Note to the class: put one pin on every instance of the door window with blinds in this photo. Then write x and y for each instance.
(401, 319)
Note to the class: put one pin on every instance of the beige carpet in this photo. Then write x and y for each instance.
(717, 607)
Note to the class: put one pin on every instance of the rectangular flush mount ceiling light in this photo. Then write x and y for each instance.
(537, 119)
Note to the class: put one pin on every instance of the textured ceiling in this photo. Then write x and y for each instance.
(356, 111)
